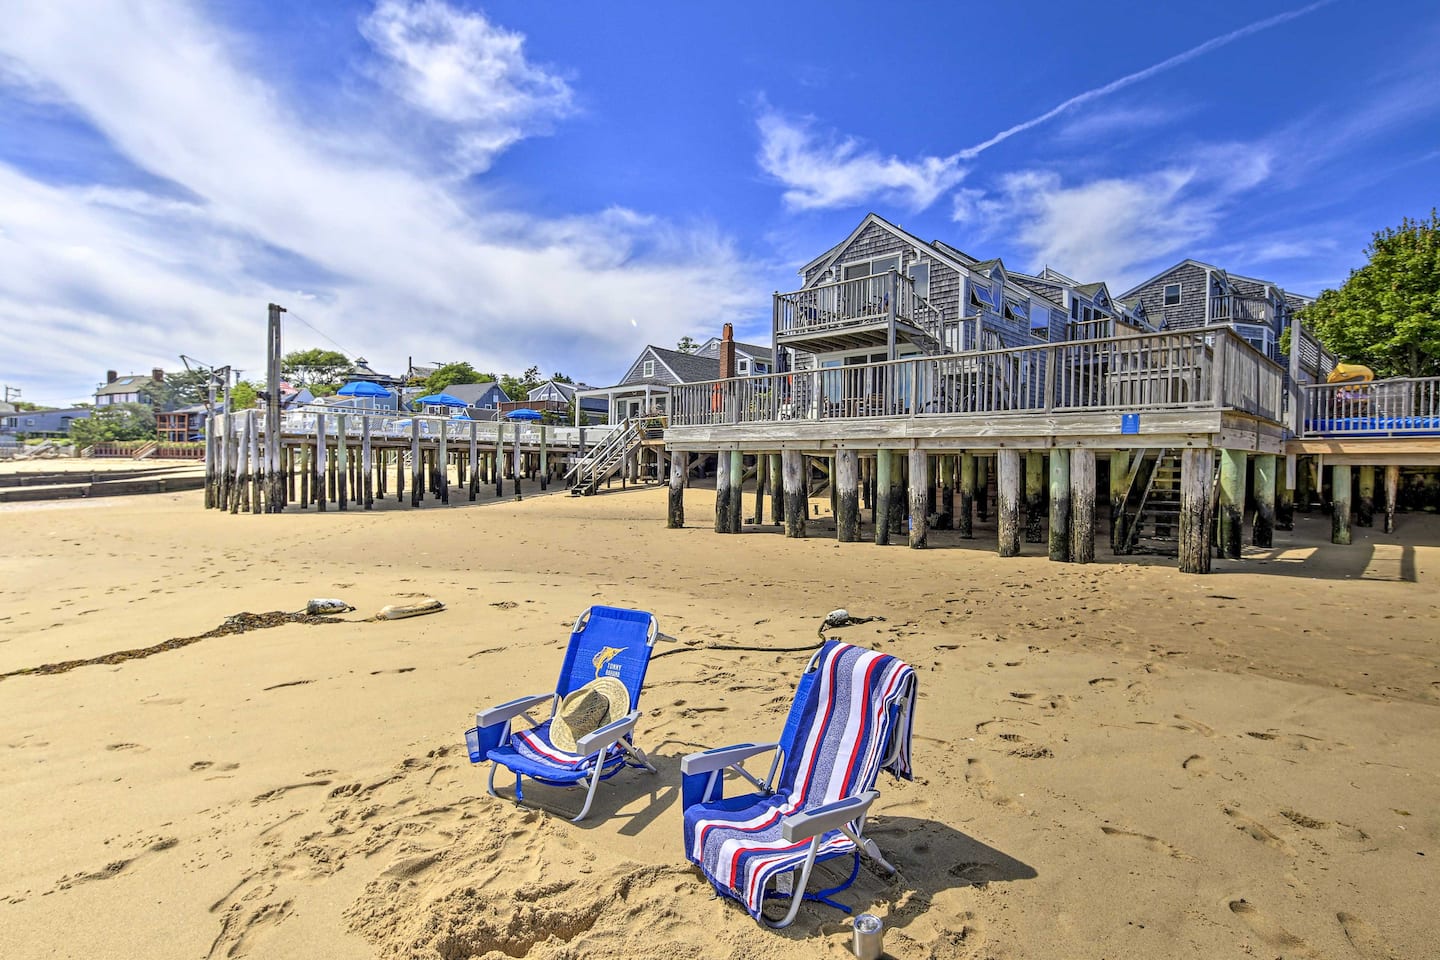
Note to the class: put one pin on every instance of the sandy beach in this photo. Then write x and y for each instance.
(1113, 760)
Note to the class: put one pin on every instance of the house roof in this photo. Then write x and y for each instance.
(1090, 289)
(1229, 277)
(129, 384)
(472, 392)
(687, 367)
(711, 348)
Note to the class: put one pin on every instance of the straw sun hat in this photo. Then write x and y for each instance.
(601, 701)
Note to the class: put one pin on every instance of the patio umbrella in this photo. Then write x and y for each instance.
(442, 400)
(363, 388)
(525, 414)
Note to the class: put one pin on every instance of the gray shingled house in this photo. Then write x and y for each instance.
(645, 387)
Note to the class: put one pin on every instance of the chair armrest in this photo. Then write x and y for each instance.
(597, 740)
(510, 709)
(832, 816)
(708, 761)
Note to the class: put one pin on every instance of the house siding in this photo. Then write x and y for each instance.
(636, 373)
(1193, 309)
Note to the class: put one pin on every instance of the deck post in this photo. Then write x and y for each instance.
(982, 487)
(1197, 472)
(1060, 505)
(847, 480)
(762, 474)
(919, 499)
(1392, 490)
(1285, 500)
(793, 467)
(1303, 485)
(211, 460)
(497, 466)
(899, 503)
(545, 461)
(442, 463)
(735, 506)
(881, 515)
(1262, 532)
(474, 461)
(1365, 507)
(1034, 496)
(1232, 502)
(289, 453)
(965, 520)
(257, 466)
(367, 464)
(1119, 471)
(867, 483)
(945, 503)
(307, 452)
(1007, 516)
(342, 454)
(722, 491)
(322, 459)
(777, 491)
(242, 472)
(417, 469)
(399, 475)
(222, 489)
(675, 516)
(1082, 506)
(1340, 503)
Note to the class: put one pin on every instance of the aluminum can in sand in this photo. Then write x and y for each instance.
(869, 937)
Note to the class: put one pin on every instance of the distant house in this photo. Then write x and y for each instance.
(750, 359)
(178, 426)
(126, 389)
(554, 397)
(41, 423)
(483, 399)
(362, 371)
(1197, 294)
(645, 387)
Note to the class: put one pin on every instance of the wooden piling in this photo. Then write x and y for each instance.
(1197, 472)
(1034, 496)
(257, 466)
(544, 463)
(847, 482)
(1262, 531)
(881, 516)
(919, 481)
(417, 465)
(307, 453)
(982, 488)
(498, 465)
(1392, 491)
(762, 473)
(899, 502)
(722, 490)
(1007, 518)
(367, 464)
(442, 463)
(1082, 506)
(241, 500)
(1304, 484)
(777, 491)
(965, 520)
(1060, 506)
(1232, 502)
(1340, 503)
(322, 459)
(1119, 473)
(675, 518)
(473, 463)
(792, 465)
(945, 500)
(342, 456)
(736, 504)
(1285, 496)
(289, 454)
(1365, 499)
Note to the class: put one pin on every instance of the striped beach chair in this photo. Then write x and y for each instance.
(605, 642)
(851, 718)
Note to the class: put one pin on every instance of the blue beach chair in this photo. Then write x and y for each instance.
(605, 642)
(851, 718)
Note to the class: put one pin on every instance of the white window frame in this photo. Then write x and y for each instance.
(647, 368)
(1179, 295)
(845, 267)
(742, 367)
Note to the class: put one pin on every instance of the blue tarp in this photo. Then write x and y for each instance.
(1375, 426)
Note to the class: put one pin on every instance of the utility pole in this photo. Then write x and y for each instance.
(11, 393)
(275, 483)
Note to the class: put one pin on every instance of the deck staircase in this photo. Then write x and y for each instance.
(603, 460)
(1150, 512)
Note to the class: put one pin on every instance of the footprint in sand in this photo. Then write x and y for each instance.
(1189, 723)
(1267, 929)
(127, 746)
(978, 776)
(1346, 830)
(1024, 748)
(1196, 765)
(1256, 830)
(1153, 844)
(1366, 940)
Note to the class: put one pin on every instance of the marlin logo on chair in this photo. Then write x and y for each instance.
(605, 655)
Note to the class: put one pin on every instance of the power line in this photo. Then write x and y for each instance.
(296, 316)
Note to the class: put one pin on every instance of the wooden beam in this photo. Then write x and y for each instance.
(847, 517)
(1034, 496)
(1008, 518)
(945, 500)
(735, 505)
(722, 490)
(1340, 503)
(1392, 488)
(883, 466)
(965, 520)
(919, 499)
(1082, 506)
(792, 464)
(1060, 506)
(1365, 503)
(1262, 531)
(1119, 472)
(1232, 502)
(1197, 470)
(675, 517)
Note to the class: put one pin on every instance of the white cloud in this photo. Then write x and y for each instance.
(821, 172)
(1113, 228)
(399, 263)
(464, 70)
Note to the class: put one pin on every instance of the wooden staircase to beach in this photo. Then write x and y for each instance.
(1149, 519)
(605, 459)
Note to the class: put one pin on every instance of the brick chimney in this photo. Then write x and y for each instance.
(110, 376)
(727, 352)
(157, 374)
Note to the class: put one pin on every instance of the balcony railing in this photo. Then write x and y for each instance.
(1403, 406)
(1208, 368)
(843, 304)
(1240, 309)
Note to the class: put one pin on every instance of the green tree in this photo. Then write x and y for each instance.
(1387, 314)
(687, 344)
(517, 387)
(243, 395)
(316, 368)
(116, 421)
(451, 374)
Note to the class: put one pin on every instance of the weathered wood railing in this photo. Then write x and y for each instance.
(1207, 368)
(1396, 407)
(855, 302)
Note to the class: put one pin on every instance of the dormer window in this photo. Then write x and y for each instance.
(742, 367)
(1015, 310)
(981, 297)
(647, 369)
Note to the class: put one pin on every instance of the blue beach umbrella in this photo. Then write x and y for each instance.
(442, 400)
(524, 414)
(363, 388)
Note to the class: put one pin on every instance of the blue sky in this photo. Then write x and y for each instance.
(557, 183)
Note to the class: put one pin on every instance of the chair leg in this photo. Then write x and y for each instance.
(640, 758)
(589, 795)
(797, 892)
